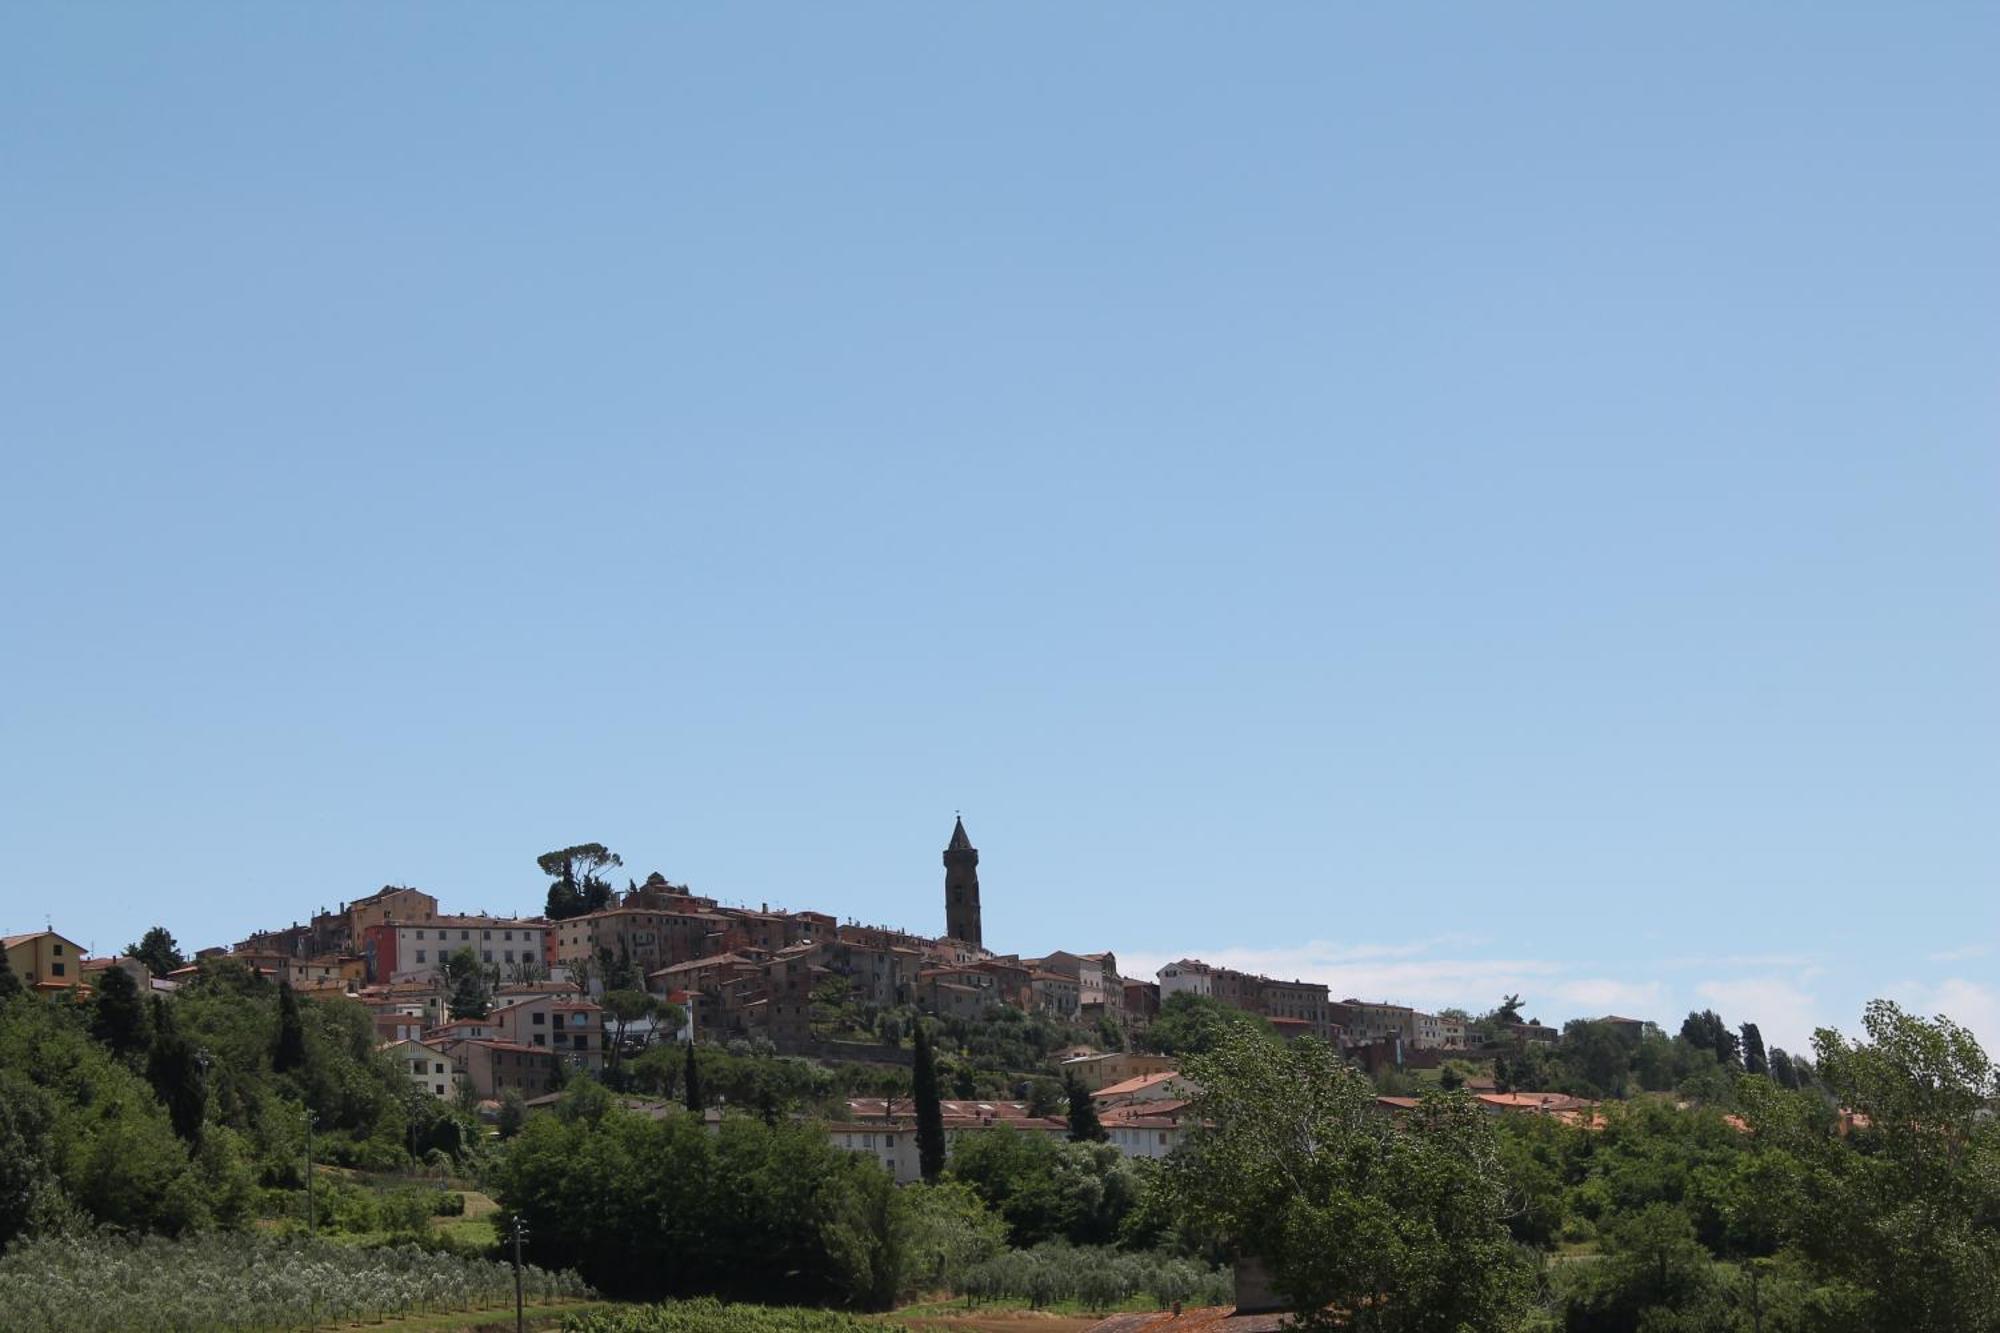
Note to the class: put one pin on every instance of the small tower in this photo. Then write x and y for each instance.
(961, 888)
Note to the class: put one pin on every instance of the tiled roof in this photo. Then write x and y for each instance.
(1136, 1085)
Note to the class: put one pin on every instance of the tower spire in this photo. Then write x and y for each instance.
(961, 887)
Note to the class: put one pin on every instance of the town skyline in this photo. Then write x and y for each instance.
(1448, 971)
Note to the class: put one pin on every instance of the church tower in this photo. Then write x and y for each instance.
(961, 888)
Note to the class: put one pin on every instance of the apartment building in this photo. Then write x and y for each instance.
(567, 1024)
(887, 1130)
(1295, 1008)
(45, 961)
(1364, 1023)
(429, 1066)
(393, 951)
(493, 1067)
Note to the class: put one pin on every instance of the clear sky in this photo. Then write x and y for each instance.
(1443, 500)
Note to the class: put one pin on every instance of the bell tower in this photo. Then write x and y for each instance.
(961, 888)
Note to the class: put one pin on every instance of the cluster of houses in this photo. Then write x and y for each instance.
(737, 972)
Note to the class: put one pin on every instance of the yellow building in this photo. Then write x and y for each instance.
(45, 961)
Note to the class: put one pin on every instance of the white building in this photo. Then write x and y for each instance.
(428, 1066)
(1187, 977)
(398, 952)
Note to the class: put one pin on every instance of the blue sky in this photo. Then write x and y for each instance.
(1445, 503)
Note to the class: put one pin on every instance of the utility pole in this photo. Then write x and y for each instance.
(312, 1221)
(520, 1230)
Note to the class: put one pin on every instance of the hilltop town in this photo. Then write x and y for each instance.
(477, 1006)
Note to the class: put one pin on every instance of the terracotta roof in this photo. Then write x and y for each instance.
(11, 940)
(499, 1045)
(1136, 1085)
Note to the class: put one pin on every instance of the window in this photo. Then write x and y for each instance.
(485, 934)
(540, 1018)
(55, 969)
(486, 955)
(508, 935)
(465, 934)
(420, 956)
(440, 1067)
(510, 955)
(540, 1040)
(58, 949)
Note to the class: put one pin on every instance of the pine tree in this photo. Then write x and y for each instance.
(174, 1070)
(1753, 1051)
(930, 1110)
(118, 1017)
(290, 1051)
(1083, 1125)
(158, 950)
(691, 1082)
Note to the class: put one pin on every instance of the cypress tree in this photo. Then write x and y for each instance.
(10, 982)
(175, 1073)
(930, 1110)
(290, 1052)
(1753, 1051)
(118, 1017)
(691, 1082)
(1083, 1125)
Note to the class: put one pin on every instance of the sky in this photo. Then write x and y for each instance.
(1447, 501)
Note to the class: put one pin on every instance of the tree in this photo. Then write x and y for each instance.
(174, 1070)
(158, 951)
(1905, 1220)
(289, 1052)
(1753, 1051)
(1083, 1126)
(1362, 1221)
(1509, 1010)
(513, 1113)
(930, 1109)
(1705, 1031)
(465, 982)
(118, 1016)
(627, 1007)
(577, 885)
(1783, 1072)
(691, 1083)
(1196, 1024)
(10, 982)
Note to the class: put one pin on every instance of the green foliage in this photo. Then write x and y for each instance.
(707, 1315)
(1706, 1031)
(577, 885)
(174, 1069)
(10, 982)
(944, 1232)
(664, 1207)
(229, 1282)
(1197, 1025)
(469, 987)
(1352, 1211)
(1097, 1278)
(1083, 1124)
(929, 1108)
(118, 1015)
(1904, 1210)
(85, 1139)
(1047, 1189)
(289, 1052)
(158, 951)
